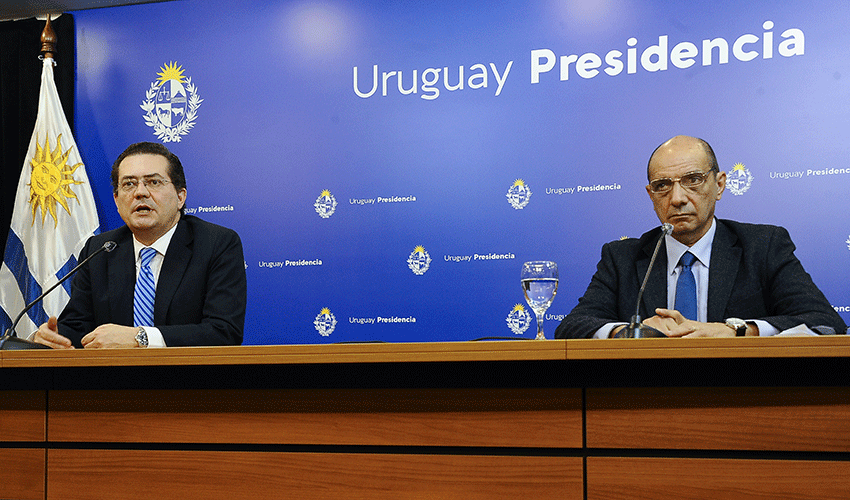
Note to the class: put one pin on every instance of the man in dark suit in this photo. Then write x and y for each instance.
(742, 279)
(198, 287)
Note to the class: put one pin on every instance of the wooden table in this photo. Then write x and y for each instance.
(645, 418)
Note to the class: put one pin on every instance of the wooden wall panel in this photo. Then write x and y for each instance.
(400, 417)
(210, 475)
(713, 479)
(23, 473)
(775, 418)
(22, 415)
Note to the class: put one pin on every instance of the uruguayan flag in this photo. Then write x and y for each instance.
(54, 214)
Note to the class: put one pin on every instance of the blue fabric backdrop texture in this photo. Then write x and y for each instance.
(390, 165)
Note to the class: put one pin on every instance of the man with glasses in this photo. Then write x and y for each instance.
(173, 280)
(712, 277)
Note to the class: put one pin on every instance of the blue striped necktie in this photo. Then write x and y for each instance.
(686, 288)
(145, 290)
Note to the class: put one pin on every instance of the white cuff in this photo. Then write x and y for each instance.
(154, 337)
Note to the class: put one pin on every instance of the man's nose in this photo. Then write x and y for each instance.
(142, 191)
(678, 195)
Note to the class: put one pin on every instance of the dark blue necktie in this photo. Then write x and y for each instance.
(145, 290)
(686, 288)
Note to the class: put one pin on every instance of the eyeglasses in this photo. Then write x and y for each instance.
(151, 184)
(690, 181)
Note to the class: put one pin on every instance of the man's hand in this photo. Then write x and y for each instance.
(110, 336)
(48, 334)
(673, 324)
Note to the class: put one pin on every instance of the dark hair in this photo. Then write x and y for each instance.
(175, 168)
(712, 159)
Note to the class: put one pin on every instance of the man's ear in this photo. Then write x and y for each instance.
(721, 183)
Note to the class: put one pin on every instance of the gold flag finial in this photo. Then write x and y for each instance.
(48, 39)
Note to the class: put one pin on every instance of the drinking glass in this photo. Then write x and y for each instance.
(540, 284)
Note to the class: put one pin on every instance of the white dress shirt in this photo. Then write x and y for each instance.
(161, 245)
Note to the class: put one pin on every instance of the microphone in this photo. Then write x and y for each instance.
(635, 330)
(10, 340)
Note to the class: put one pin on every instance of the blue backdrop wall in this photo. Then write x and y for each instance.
(390, 165)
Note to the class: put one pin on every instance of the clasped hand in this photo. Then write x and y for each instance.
(671, 323)
(103, 337)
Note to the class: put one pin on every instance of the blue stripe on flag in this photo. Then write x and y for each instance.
(72, 261)
(16, 260)
(5, 321)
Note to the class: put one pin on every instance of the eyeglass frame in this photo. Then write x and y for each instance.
(146, 181)
(674, 180)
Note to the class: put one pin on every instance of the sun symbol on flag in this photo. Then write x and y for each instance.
(171, 71)
(51, 179)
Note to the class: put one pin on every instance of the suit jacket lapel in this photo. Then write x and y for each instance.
(725, 260)
(121, 264)
(174, 265)
(655, 294)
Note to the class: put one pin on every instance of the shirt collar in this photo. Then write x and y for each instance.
(160, 245)
(701, 249)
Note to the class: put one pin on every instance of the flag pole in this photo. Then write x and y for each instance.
(48, 39)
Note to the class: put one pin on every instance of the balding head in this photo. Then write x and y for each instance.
(684, 185)
(683, 143)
